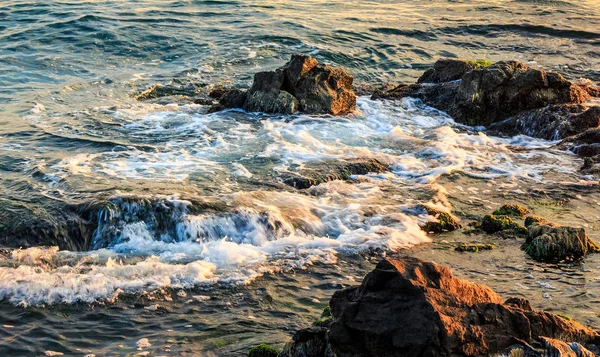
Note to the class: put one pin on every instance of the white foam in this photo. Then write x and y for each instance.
(266, 231)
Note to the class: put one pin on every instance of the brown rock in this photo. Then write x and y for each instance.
(300, 85)
(413, 308)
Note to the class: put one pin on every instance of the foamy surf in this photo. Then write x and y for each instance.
(148, 244)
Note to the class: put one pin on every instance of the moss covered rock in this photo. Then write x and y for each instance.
(539, 220)
(263, 350)
(474, 247)
(444, 221)
(553, 243)
(494, 224)
(511, 210)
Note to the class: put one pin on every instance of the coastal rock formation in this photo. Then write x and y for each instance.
(549, 242)
(409, 307)
(508, 97)
(332, 170)
(300, 85)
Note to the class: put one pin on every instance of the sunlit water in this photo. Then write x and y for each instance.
(201, 248)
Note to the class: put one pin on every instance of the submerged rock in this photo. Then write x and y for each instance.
(548, 242)
(263, 350)
(444, 221)
(511, 209)
(172, 89)
(329, 171)
(409, 307)
(587, 146)
(474, 247)
(551, 122)
(300, 85)
(508, 96)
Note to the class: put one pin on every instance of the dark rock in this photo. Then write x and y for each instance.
(552, 243)
(585, 144)
(233, 98)
(310, 342)
(473, 247)
(44, 223)
(446, 70)
(511, 209)
(551, 122)
(159, 91)
(444, 221)
(300, 85)
(333, 170)
(409, 307)
(515, 98)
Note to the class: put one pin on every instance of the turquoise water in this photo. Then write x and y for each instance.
(197, 246)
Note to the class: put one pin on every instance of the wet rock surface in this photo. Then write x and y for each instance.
(508, 97)
(409, 307)
(332, 170)
(549, 242)
(302, 85)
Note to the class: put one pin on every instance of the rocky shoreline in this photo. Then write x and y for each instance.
(409, 307)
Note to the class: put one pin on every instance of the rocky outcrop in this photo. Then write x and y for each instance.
(508, 97)
(550, 242)
(327, 171)
(409, 307)
(300, 85)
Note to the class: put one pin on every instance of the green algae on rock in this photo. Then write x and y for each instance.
(444, 221)
(539, 220)
(556, 243)
(494, 224)
(511, 209)
(263, 350)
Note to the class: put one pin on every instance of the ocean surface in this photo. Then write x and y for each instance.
(199, 248)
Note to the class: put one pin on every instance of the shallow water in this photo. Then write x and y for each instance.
(191, 204)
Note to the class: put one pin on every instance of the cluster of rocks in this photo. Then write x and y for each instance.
(544, 241)
(506, 97)
(302, 84)
(409, 307)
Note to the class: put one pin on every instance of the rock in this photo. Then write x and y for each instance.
(585, 144)
(446, 70)
(474, 247)
(511, 209)
(494, 224)
(173, 89)
(552, 243)
(300, 85)
(551, 122)
(409, 307)
(539, 220)
(555, 347)
(310, 342)
(444, 221)
(332, 170)
(509, 97)
(263, 350)
(233, 98)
